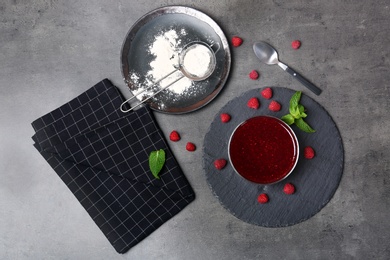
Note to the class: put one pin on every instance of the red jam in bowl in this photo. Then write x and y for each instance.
(263, 150)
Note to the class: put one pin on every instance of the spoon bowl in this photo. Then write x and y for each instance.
(266, 53)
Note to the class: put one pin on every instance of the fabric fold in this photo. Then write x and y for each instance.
(101, 154)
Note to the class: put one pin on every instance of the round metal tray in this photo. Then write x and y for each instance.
(136, 58)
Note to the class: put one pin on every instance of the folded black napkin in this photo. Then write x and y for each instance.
(101, 154)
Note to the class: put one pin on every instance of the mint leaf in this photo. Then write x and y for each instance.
(156, 162)
(294, 101)
(288, 119)
(295, 112)
(301, 124)
(302, 111)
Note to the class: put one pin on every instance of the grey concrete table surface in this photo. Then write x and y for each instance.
(51, 51)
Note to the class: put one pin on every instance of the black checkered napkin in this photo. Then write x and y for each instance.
(101, 154)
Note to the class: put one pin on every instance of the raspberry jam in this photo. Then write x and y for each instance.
(263, 149)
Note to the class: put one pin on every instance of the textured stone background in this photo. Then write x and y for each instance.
(51, 51)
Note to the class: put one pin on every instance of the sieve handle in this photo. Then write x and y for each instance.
(155, 83)
(143, 101)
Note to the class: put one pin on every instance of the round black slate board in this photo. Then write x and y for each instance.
(316, 180)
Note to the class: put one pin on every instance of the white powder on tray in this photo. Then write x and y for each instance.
(166, 49)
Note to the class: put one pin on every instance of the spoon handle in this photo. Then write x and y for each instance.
(304, 81)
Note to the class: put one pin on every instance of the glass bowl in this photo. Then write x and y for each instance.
(263, 150)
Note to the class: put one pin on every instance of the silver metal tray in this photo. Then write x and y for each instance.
(136, 58)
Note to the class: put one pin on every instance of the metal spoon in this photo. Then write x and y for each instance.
(267, 54)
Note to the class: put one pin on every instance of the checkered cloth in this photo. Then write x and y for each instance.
(101, 154)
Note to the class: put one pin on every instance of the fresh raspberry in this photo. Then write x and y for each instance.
(262, 198)
(266, 93)
(296, 44)
(253, 103)
(254, 75)
(236, 41)
(289, 188)
(174, 136)
(309, 152)
(220, 164)
(274, 106)
(190, 147)
(225, 117)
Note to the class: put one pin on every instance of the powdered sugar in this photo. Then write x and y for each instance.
(165, 49)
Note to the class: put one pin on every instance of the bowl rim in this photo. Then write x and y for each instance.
(292, 133)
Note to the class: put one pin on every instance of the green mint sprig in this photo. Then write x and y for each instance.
(156, 162)
(297, 114)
